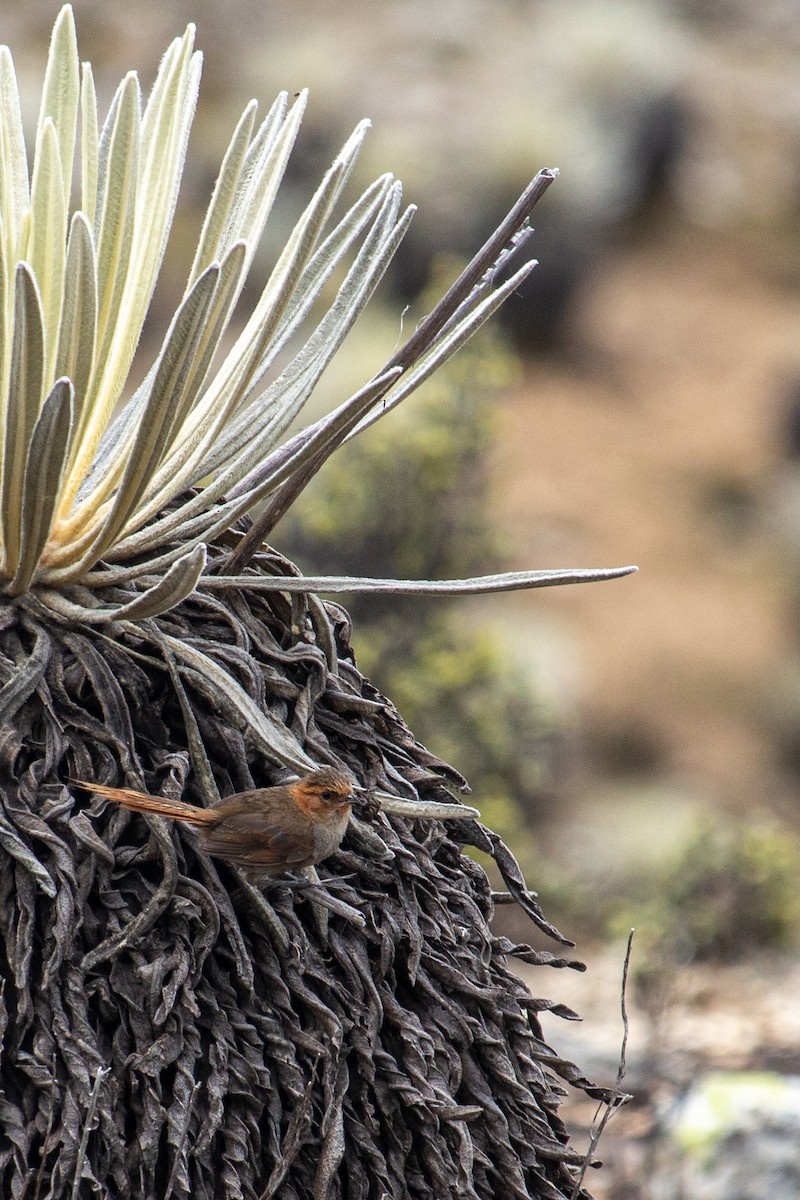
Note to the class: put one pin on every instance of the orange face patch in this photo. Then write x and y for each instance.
(322, 792)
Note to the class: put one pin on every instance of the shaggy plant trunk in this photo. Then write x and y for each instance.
(170, 1030)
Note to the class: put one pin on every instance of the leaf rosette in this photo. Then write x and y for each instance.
(106, 489)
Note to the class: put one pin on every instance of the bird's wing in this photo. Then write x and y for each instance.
(251, 839)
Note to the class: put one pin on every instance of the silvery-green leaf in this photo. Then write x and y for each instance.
(210, 430)
(114, 459)
(116, 436)
(165, 593)
(44, 469)
(331, 331)
(295, 255)
(173, 380)
(425, 810)
(171, 477)
(158, 101)
(330, 253)
(89, 144)
(190, 517)
(363, 276)
(207, 524)
(5, 332)
(265, 164)
(157, 153)
(250, 434)
(118, 164)
(230, 274)
(104, 142)
(124, 429)
(509, 581)
(48, 236)
(14, 188)
(256, 155)
(312, 359)
(208, 247)
(116, 208)
(24, 402)
(173, 587)
(250, 205)
(196, 517)
(60, 95)
(235, 376)
(79, 314)
(164, 136)
(144, 428)
(319, 270)
(60, 604)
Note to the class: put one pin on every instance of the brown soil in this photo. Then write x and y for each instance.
(742, 1017)
(662, 448)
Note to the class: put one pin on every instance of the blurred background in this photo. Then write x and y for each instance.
(636, 742)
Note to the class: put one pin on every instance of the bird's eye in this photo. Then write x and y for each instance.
(325, 795)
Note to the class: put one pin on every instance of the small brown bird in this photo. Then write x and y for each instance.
(271, 830)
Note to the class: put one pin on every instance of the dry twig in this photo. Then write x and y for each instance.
(618, 1098)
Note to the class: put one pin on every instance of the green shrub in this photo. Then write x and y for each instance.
(476, 707)
(730, 892)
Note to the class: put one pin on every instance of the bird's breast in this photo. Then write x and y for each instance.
(328, 834)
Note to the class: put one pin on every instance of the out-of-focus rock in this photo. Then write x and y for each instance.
(736, 1136)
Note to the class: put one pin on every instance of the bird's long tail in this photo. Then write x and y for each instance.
(160, 806)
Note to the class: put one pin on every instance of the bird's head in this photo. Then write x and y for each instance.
(323, 792)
